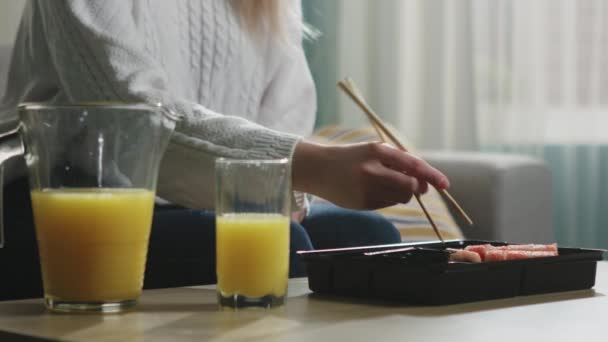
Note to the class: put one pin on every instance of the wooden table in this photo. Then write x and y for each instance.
(190, 314)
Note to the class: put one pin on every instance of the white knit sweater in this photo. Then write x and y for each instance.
(192, 55)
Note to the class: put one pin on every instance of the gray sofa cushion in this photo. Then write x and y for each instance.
(508, 196)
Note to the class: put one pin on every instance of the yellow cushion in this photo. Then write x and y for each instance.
(408, 218)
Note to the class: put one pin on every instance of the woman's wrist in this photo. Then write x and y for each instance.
(308, 160)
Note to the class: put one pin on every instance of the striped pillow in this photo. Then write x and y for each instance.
(408, 218)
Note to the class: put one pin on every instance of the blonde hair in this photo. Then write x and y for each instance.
(262, 14)
(271, 16)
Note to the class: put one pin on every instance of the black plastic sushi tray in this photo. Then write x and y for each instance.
(421, 273)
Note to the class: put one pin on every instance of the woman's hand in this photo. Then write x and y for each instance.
(362, 176)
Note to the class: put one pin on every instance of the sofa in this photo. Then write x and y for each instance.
(508, 196)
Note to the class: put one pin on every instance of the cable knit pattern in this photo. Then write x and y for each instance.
(184, 33)
(194, 39)
(191, 55)
(150, 41)
(209, 47)
(219, 60)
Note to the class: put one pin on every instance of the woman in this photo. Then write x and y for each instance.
(237, 72)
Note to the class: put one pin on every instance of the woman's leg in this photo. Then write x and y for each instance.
(182, 248)
(330, 226)
(299, 241)
(19, 261)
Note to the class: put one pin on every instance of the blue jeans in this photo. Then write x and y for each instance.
(182, 242)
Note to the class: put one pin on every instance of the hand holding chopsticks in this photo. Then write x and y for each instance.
(361, 176)
(383, 131)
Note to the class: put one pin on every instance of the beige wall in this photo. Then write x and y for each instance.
(10, 14)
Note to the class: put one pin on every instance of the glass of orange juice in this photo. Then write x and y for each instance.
(93, 172)
(252, 232)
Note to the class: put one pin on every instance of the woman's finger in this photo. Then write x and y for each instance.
(424, 187)
(395, 186)
(412, 165)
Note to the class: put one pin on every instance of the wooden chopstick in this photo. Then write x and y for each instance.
(349, 83)
(417, 196)
(359, 99)
(349, 87)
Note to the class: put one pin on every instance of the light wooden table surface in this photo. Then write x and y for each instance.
(191, 314)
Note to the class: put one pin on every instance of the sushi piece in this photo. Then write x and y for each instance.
(503, 254)
(483, 250)
(462, 255)
(529, 247)
(479, 249)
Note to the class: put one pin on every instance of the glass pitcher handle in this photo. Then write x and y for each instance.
(10, 146)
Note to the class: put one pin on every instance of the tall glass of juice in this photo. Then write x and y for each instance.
(252, 232)
(93, 172)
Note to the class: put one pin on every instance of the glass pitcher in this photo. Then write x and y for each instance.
(92, 172)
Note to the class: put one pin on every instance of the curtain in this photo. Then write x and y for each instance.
(402, 56)
(541, 82)
(511, 76)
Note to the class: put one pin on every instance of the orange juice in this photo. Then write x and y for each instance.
(93, 242)
(252, 254)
